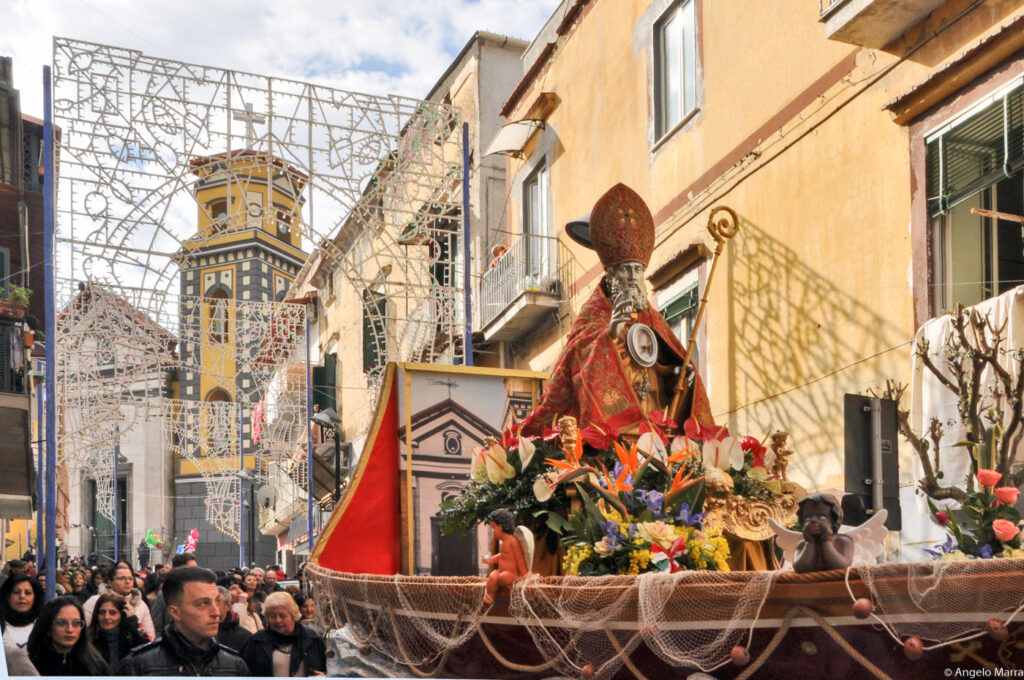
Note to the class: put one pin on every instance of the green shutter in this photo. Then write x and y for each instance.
(325, 382)
(976, 153)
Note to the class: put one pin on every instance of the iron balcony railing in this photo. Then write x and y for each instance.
(826, 6)
(533, 263)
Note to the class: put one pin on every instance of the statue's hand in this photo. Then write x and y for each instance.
(621, 313)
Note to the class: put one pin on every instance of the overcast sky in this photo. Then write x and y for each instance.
(372, 46)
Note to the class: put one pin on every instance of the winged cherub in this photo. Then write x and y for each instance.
(823, 544)
(515, 552)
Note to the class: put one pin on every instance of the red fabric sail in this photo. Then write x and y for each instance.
(363, 535)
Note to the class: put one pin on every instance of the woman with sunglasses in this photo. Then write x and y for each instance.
(115, 629)
(58, 645)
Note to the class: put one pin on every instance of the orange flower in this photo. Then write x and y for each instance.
(988, 477)
(1005, 530)
(1007, 494)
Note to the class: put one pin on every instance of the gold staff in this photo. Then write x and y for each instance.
(721, 231)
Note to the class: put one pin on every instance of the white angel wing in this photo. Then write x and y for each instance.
(868, 538)
(525, 537)
(787, 540)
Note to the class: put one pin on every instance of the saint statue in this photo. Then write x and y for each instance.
(621, 362)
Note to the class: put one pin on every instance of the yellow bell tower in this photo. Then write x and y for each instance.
(247, 248)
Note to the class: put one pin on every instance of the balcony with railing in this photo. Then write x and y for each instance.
(531, 279)
(17, 482)
(871, 23)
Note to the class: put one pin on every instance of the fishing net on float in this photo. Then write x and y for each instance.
(690, 619)
(406, 618)
(601, 620)
(943, 601)
(573, 621)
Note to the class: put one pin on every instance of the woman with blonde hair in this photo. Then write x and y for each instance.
(285, 648)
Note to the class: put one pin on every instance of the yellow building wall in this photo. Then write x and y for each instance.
(812, 299)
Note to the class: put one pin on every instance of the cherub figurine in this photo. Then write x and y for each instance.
(824, 544)
(515, 552)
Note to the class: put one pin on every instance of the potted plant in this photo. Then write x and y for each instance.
(15, 301)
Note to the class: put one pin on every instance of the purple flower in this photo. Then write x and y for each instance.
(653, 500)
(612, 532)
(686, 518)
(944, 548)
(986, 552)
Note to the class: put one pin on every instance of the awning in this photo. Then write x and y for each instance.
(511, 138)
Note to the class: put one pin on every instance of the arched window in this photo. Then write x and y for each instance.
(220, 429)
(218, 316)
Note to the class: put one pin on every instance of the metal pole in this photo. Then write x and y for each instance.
(309, 439)
(40, 461)
(117, 509)
(241, 492)
(337, 464)
(467, 343)
(878, 481)
(49, 223)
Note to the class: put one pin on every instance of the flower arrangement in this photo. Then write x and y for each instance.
(989, 524)
(503, 475)
(617, 509)
(750, 464)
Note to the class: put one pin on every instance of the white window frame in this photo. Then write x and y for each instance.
(675, 64)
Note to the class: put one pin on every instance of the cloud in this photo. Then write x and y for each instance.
(372, 46)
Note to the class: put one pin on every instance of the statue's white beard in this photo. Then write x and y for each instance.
(632, 293)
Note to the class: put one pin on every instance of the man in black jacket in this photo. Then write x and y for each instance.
(188, 645)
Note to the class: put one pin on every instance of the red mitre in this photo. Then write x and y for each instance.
(622, 227)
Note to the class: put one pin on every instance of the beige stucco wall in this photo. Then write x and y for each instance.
(813, 298)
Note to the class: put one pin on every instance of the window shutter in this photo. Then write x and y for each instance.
(976, 153)
(375, 312)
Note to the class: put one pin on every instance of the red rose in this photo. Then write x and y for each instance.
(942, 517)
(988, 477)
(1007, 494)
(1005, 530)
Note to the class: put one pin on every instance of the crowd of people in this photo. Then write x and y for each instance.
(176, 619)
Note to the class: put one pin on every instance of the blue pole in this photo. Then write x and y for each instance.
(309, 439)
(241, 491)
(468, 337)
(40, 461)
(49, 224)
(117, 510)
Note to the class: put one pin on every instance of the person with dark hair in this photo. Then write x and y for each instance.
(246, 606)
(230, 633)
(158, 612)
(115, 629)
(122, 582)
(307, 607)
(57, 645)
(188, 645)
(285, 648)
(21, 600)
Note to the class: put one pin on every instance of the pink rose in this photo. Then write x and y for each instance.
(942, 517)
(1005, 530)
(988, 477)
(1007, 494)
